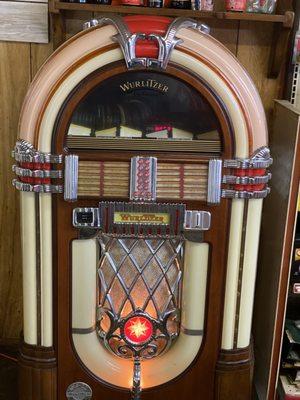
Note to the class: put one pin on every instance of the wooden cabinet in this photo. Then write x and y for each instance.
(275, 253)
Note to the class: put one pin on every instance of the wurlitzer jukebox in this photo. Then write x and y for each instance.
(142, 167)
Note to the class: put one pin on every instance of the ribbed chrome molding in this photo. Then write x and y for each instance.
(38, 173)
(27, 187)
(71, 177)
(246, 180)
(25, 152)
(248, 177)
(243, 194)
(260, 159)
(35, 169)
(128, 41)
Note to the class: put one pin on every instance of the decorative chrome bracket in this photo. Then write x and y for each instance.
(34, 171)
(248, 177)
(25, 152)
(128, 40)
(260, 159)
(27, 187)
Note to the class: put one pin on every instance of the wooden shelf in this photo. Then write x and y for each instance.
(286, 19)
(283, 23)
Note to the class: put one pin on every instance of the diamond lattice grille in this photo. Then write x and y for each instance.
(140, 274)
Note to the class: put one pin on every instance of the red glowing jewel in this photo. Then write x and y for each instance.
(138, 329)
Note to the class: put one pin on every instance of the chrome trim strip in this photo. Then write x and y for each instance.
(192, 332)
(236, 194)
(27, 187)
(246, 180)
(214, 181)
(84, 331)
(37, 173)
(71, 177)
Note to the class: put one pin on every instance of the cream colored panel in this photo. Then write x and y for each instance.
(233, 263)
(84, 279)
(117, 371)
(249, 271)
(194, 288)
(46, 270)
(28, 221)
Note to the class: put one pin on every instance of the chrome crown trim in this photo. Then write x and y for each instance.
(166, 44)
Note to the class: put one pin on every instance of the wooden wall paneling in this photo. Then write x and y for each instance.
(276, 248)
(14, 80)
(38, 55)
(24, 21)
(254, 46)
(226, 32)
(76, 19)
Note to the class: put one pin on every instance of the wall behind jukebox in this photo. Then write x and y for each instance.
(249, 41)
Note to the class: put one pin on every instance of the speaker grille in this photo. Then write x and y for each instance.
(175, 181)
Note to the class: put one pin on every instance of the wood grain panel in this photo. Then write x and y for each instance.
(254, 41)
(24, 22)
(38, 55)
(15, 77)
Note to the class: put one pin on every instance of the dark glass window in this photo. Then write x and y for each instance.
(145, 105)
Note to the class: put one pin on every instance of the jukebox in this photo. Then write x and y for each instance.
(142, 167)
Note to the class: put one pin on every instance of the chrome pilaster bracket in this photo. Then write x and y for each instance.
(128, 40)
(71, 177)
(246, 180)
(38, 173)
(27, 187)
(25, 152)
(240, 194)
(261, 159)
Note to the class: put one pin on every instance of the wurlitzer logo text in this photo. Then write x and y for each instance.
(141, 218)
(144, 84)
